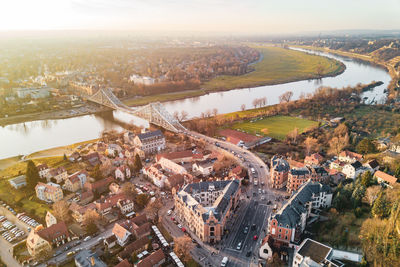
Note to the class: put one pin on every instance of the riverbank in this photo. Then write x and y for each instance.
(390, 68)
(53, 115)
(55, 152)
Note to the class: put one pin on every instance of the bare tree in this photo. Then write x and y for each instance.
(183, 246)
(372, 193)
(243, 107)
(264, 101)
(129, 190)
(176, 115)
(337, 144)
(293, 135)
(320, 70)
(215, 112)
(184, 115)
(310, 144)
(255, 102)
(61, 211)
(90, 216)
(285, 97)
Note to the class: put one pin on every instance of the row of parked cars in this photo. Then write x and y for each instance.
(10, 231)
(28, 220)
(7, 207)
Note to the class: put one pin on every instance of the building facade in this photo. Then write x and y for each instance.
(150, 142)
(279, 172)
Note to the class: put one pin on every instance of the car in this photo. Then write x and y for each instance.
(172, 219)
(239, 246)
(198, 246)
(255, 237)
(248, 254)
(179, 226)
(87, 238)
(169, 212)
(66, 248)
(183, 229)
(246, 230)
(78, 242)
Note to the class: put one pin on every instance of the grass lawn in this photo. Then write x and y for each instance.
(278, 126)
(279, 65)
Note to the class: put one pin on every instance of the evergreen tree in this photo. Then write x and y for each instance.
(379, 209)
(366, 179)
(32, 174)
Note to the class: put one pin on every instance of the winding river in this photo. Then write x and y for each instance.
(25, 138)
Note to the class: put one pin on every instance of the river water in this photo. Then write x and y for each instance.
(25, 138)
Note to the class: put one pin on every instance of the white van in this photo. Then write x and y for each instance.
(224, 261)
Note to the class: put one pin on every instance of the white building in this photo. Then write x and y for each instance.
(354, 169)
(142, 80)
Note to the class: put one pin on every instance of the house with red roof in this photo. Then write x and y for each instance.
(138, 226)
(154, 260)
(313, 159)
(383, 177)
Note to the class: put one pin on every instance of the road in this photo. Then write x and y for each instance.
(253, 210)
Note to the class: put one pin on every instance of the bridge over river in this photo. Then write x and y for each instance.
(154, 113)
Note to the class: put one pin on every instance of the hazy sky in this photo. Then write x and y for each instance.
(252, 16)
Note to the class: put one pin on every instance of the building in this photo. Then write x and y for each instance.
(123, 172)
(154, 260)
(150, 142)
(204, 167)
(58, 174)
(206, 206)
(314, 159)
(312, 253)
(181, 156)
(43, 239)
(177, 180)
(352, 170)
(49, 192)
(171, 166)
(145, 80)
(50, 219)
(372, 164)
(279, 172)
(385, 178)
(136, 246)
(99, 186)
(43, 170)
(18, 182)
(289, 222)
(34, 93)
(296, 178)
(86, 258)
(138, 226)
(76, 181)
(35, 243)
(349, 157)
(156, 173)
(125, 205)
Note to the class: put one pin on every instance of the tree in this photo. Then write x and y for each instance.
(358, 195)
(320, 70)
(137, 164)
(97, 173)
(129, 190)
(366, 146)
(153, 208)
(90, 216)
(91, 228)
(285, 97)
(337, 144)
(366, 179)
(141, 200)
(215, 112)
(61, 211)
(372, 193)
(293, 135)
(65, 157)
(380, 207)
(134, 257)
(243, 107)
(32, 175)
(184, 115)
(310, 144)
(183, 246)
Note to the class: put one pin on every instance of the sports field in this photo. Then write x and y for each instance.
(277, 126)
(279, 65)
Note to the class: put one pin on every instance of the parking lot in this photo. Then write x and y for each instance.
(9, 231)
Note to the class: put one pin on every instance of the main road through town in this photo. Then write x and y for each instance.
(247, 227)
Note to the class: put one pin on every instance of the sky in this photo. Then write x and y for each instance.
(235, 16)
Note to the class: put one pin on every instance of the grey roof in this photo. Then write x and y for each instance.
(18, 180)
(279, 164)
(290, 213)
(316, 251)
(84, 257)
(320, 170)
(219, 208)
(148, 135)
(300, 171)
(356, 165)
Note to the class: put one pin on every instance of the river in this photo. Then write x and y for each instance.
(25, 138)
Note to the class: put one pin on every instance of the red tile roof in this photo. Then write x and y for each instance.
(386, 177)
(55, 231)
(234, 136)
(124, 263)
(346, 153)
(152, 260)
(179, 155)
(134, 246)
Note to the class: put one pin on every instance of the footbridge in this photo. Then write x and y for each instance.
(154, 113)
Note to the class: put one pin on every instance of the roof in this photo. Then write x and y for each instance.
(152, 260)
(176, 179)
(290, 213)
(42, 167)
(120, 231)
(295, 164)
(179, 155)
(85, 257)
(18, 180)
(301, 171)
(356, 165)
(316, 251)
(57, 171)
(279, 164)
(150, 135)
(373, 163)
(134, 246)
(124, 263)
(237, 136)
(386, 177)
(346, 153)
(54, 231)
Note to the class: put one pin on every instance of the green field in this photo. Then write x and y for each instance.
(278, 126)
(278, 66)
